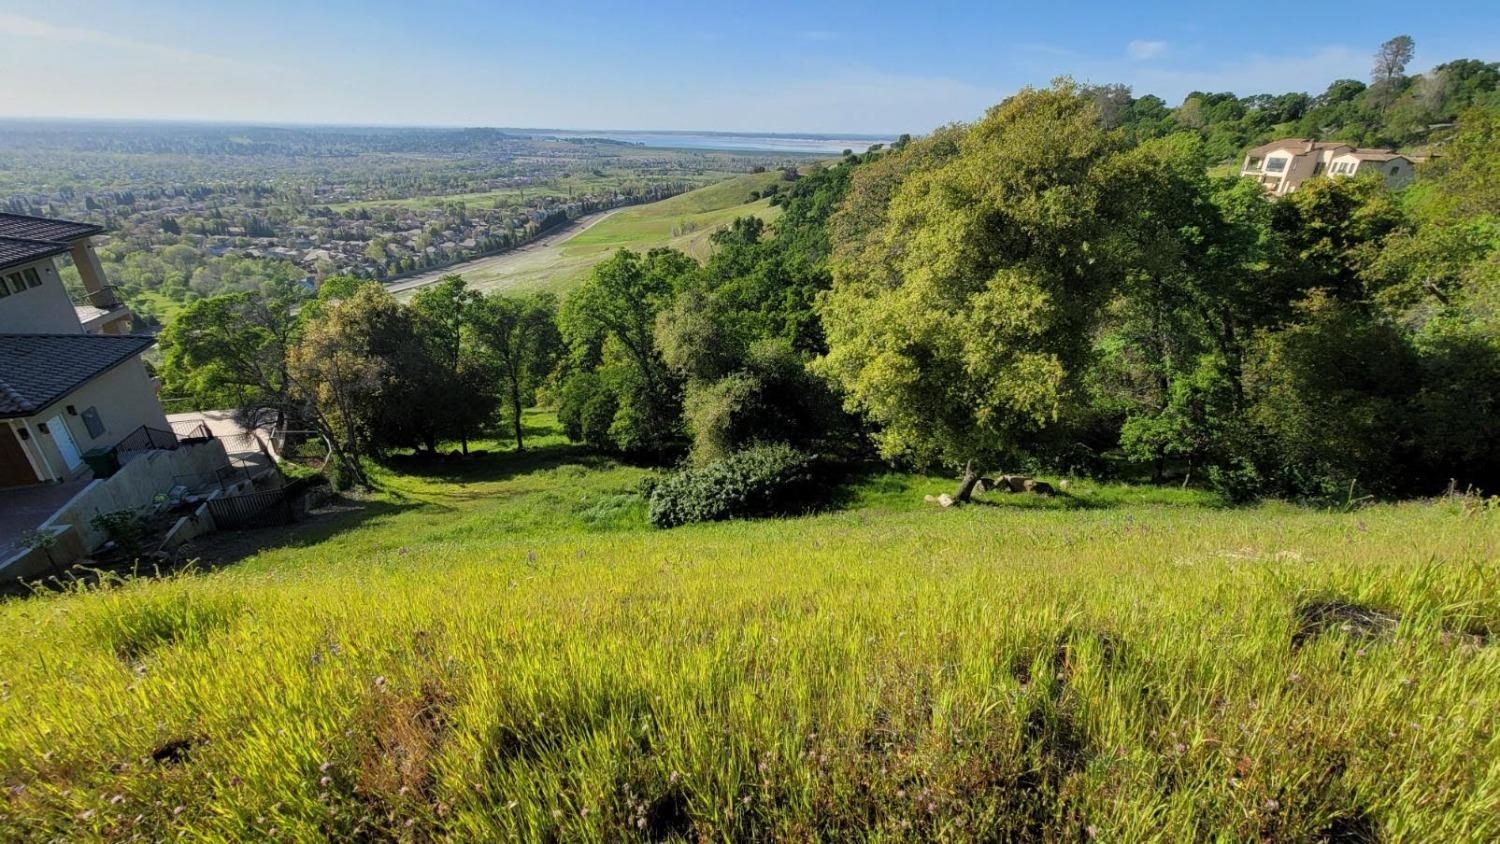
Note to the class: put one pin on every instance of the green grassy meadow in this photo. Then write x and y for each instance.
(500, 649)
(684, 222)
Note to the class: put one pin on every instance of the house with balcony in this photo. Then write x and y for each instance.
(81, 429)
(1282, 166)
(28, 248)
(71, 378)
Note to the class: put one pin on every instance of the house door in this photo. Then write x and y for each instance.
(64, 439)
(15, 469)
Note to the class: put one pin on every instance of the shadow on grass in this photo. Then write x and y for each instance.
(483, 467)
(224, 548)
(881, 488)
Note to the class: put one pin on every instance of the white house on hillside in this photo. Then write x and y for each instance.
(1282, 166)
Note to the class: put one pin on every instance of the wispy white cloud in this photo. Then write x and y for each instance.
(1142, 50)
(816, 35)
(21, 26)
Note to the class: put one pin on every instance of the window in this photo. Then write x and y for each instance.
(1252, 163)
(1275, 165)
(32, 278)
(17, 282)
(93, 423)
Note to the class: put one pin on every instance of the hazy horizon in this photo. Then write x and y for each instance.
(840, 69)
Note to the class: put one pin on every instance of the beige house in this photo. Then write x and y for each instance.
(28, 246)
(1282, 166)
(71, 379)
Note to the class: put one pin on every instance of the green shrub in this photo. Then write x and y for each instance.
(123, 527)
(759, 481)
(340, 475)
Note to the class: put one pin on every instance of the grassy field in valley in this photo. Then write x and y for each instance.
(685, 222)
(500, 649)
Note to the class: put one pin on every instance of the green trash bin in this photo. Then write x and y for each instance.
(104, 461)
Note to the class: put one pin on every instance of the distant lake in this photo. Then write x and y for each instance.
(731, 141)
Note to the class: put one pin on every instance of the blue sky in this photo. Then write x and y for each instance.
(769, 66)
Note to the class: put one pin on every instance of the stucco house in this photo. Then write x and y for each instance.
(64, 395)
(1282, 166)
(28, 246)
(71, 379)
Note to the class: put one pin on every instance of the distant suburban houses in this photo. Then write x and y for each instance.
(1282, 166)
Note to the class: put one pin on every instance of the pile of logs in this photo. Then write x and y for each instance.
(1003, 483)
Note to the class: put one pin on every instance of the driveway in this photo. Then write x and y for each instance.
(25, 508)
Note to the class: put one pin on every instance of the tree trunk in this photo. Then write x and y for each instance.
(515, 412)
(965, 490)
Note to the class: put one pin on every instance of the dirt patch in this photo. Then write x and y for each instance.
(175, 751)
(667, 818)
(1354, 828)
(1355, 620)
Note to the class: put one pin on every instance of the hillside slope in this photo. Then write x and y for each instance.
(499, 649)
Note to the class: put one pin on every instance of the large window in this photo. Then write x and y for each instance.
(1275, 165)
(18, 281)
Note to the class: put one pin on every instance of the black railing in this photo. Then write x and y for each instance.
(146, 438)
(255, 509)
(198, 433)
(106, 298)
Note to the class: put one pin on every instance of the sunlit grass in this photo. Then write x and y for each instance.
(499, 649)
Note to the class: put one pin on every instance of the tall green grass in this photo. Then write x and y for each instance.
(500, 650)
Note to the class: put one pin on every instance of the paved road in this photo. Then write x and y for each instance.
(556, 237)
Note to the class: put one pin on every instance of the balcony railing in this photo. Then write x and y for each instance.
(146, 438)
(105, 299)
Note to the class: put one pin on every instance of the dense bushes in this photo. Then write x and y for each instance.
(759, 481)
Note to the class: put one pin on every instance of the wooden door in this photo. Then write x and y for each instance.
(15, 469)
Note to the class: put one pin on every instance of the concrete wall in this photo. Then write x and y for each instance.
(39, 310)
(136, 486)
(125, 398)
(41, 562)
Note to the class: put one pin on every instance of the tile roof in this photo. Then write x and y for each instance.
(1298, 146)
(24, 239)
(1376, 154)
(36, 370)
(17, 250)
(1302, 146)
(44, 228)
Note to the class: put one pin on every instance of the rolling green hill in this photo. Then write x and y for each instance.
(685, 222)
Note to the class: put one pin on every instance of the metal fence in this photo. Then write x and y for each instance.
(146, 438)
(254, 509)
